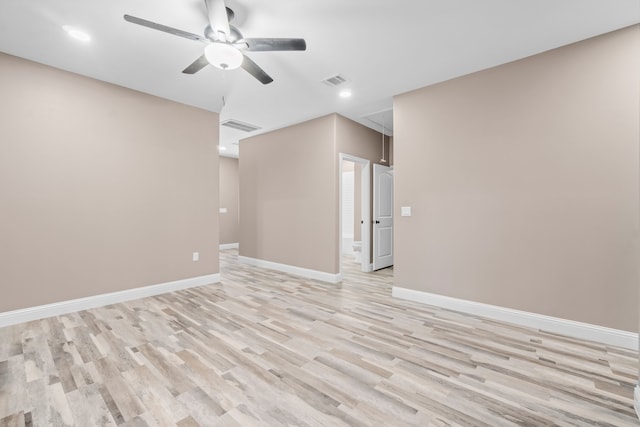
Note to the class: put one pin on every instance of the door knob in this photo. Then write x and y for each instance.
(377, 222)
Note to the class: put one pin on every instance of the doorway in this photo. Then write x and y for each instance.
(354, 213)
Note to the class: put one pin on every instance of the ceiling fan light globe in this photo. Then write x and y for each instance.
(223, 56)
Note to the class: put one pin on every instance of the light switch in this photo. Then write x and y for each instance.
(223, 210)
(405, 211)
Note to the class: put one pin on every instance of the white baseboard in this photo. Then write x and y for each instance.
(555, 325)
(292, 269)
(229, 246)
(64, 307)
(636, 400)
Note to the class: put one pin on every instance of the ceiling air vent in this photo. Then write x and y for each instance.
(336, 80)
(235, 124)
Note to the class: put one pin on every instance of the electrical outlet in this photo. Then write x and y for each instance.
(196, 256)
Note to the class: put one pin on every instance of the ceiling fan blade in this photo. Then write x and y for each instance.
(196, 66)
(254, 69)
(265, 45)
(218, 19)
(163, 28)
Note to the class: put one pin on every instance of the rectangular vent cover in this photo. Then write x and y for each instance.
(335, 80)
(235, 124)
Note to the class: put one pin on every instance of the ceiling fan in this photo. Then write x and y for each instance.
(225, 45)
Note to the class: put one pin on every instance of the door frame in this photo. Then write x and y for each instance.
(365, 210)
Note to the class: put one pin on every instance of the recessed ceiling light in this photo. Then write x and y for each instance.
(345, 93)
(77, 33)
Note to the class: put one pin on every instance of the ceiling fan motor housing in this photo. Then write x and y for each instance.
(234, 36)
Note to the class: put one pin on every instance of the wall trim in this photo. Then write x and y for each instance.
(224, 246)
(555, 325)
(70, 306)
(636, 400)
(292, 269)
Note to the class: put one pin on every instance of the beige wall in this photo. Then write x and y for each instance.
(360, 141)
(288, 196)
(229, 184)
(102, 188)
(523, 181)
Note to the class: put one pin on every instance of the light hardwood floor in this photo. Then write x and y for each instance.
(264, 348)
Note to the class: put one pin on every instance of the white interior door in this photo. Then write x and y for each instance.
(382, 216)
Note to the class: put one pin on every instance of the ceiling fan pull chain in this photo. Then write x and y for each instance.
(383, 160)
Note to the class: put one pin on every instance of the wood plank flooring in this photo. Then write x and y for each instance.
(264, 348)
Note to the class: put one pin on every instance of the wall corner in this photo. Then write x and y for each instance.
(636, 400)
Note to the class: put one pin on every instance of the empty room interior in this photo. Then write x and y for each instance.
(288, 213)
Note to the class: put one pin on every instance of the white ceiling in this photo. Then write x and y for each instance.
(383, 47)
